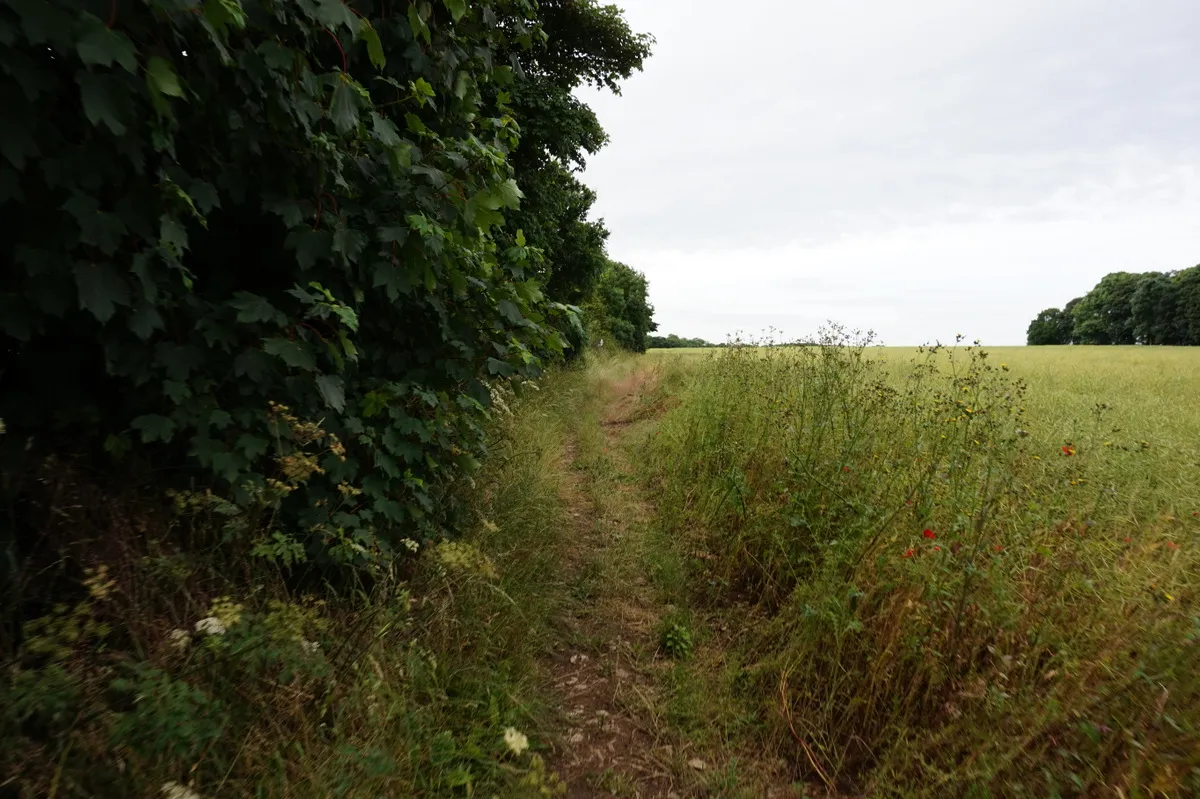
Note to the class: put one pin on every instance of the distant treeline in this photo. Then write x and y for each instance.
(1127, 308)
(675, 342)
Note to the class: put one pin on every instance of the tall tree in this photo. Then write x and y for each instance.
(1105, 315)
(620, 309)
(1153, 308)
(585, 44)
(1051, 326)
(1187, 306)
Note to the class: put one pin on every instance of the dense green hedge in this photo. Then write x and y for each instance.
(210, 207)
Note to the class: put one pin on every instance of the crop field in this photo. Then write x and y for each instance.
(978, 567)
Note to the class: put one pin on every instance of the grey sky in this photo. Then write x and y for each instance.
(921, 168)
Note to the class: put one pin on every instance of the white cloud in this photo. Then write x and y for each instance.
(921, 168)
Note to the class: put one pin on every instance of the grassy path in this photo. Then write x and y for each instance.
(634, 722)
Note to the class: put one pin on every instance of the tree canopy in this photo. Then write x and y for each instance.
(1127, 308)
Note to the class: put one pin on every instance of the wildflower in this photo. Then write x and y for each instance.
(211, 626)
(1171, 545)
(1128, 540)
(845, 468)
(997, 548)
(937, 549)
(929, 534)
(173, 790)
(908, 553)
(310, 647)
(180, 639)
(515, 740)
(1068, 450)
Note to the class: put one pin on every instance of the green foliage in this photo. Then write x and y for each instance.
(676, 640)
(585, 44)
(269, 203)
(1126, 308)
(675, 342)
(1052, 326)
(620, 309)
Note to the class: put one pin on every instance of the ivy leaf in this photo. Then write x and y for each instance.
(154, 427)
(343, 108)
(510, 311)
(98, 102)
(252, 447)
(509, 193)
(161, 77)
(102, 46)
(349, 242)
(222, 13)
(162, 82)
(97, 228)
(252, 308)
(100, 289)
(333, 391)
(293, 353)
(384, 130)
(457, 8)
(374, 46)
(145, 320)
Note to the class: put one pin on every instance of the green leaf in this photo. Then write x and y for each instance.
(457, 8)
(102, 46)
(349, 242)
(162, 82)
(222, 13)
(374, 46)
(100, 289)
(510, 311)
(145, 320)
(252, 447)
(96, 228)
(422, 88)
(343, 108)
(252, 308)
(293, 353)
(333, 391)
(510, 195)
(99, 102)
(154, 428)
(384, 130)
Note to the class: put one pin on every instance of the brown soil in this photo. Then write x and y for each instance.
(610, 744)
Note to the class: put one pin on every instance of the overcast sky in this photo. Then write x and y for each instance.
(920, 168)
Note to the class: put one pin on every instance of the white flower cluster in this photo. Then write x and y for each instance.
(515, 740)
(311, 647)
(211, 626)
(180, 639)
(173, 790)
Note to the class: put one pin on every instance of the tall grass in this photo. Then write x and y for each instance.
(961, 600)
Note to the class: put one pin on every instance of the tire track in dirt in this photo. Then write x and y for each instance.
(612, 743)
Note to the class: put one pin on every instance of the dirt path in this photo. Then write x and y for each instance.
(612, 743)
(634, 722)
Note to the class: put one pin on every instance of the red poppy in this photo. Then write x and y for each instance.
(908, 553)
(937, 549)
(1171, 545)
(928, 534)
(1128, 540)
(845, 468)
(1068, 450)
(998, 548)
